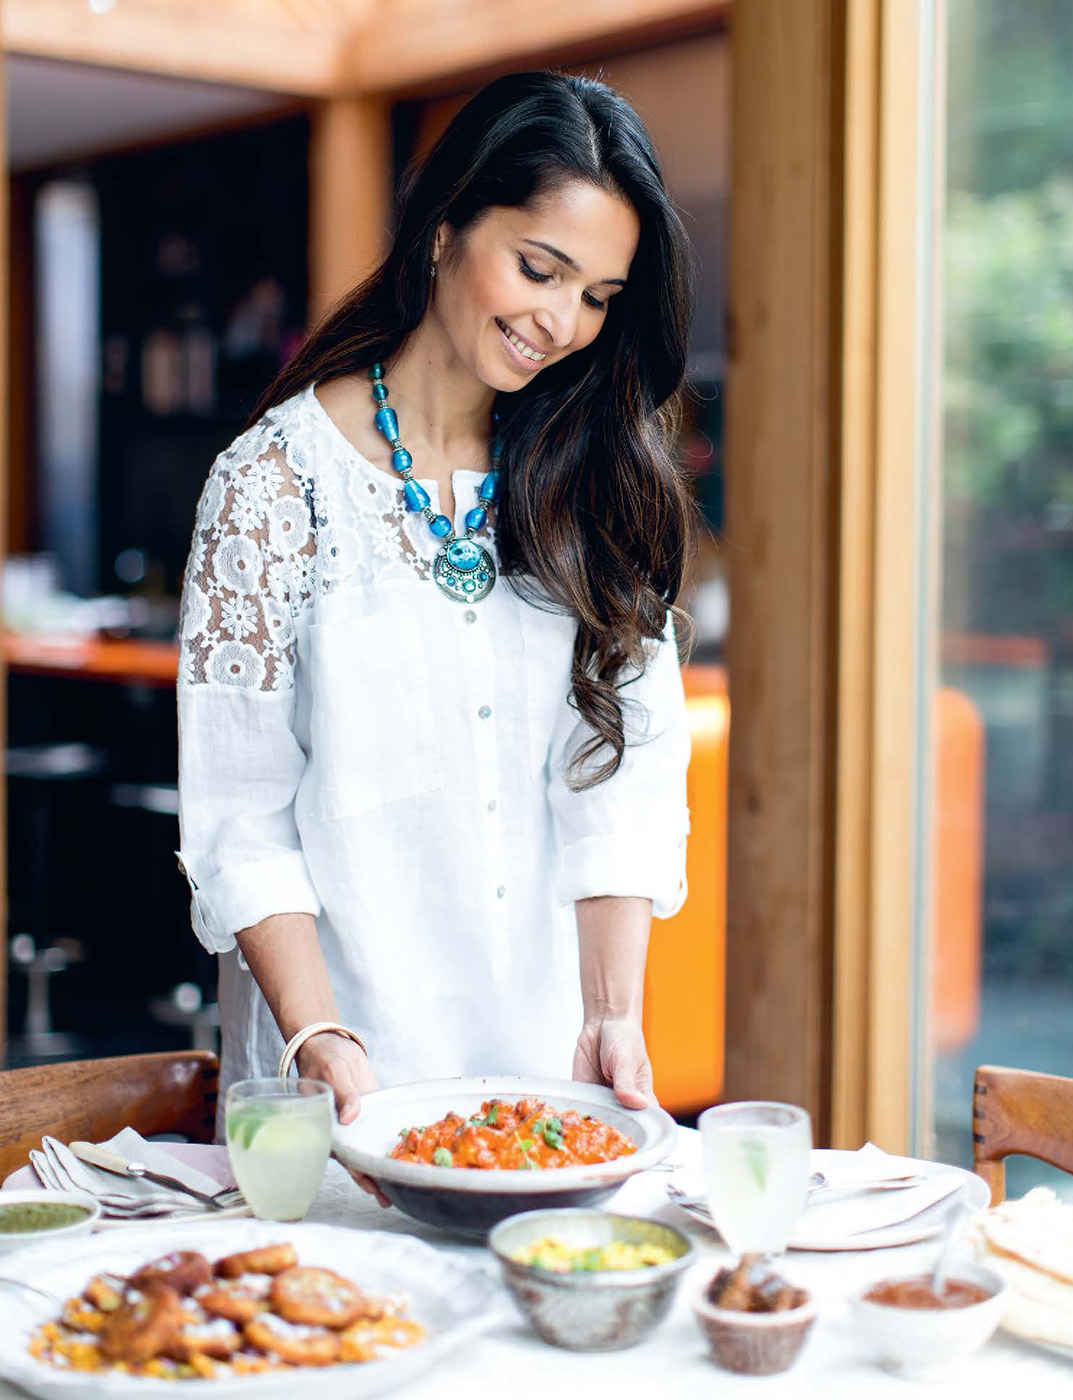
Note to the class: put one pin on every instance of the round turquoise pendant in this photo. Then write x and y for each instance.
(464, 571)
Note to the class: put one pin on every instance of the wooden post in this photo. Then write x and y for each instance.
(349, 196)
(782, 495)
(827, 658)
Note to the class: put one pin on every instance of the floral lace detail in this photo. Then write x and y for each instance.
(289, 510)
(251, 565)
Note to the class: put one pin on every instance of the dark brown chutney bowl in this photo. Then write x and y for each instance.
(754, 1343)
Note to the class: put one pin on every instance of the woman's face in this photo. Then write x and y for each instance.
(522, 288)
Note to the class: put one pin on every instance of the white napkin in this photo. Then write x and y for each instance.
(128, 1197)
(846, 1212)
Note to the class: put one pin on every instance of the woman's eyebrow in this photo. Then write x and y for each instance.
(569, 261)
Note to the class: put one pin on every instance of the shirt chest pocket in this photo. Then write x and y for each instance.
(549, 653)
(373, 734)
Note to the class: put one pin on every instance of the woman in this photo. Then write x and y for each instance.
(432, 786)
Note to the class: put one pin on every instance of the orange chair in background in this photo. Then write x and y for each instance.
(957, 864)
(685, 980)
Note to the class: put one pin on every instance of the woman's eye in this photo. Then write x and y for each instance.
(531, 272)
(535, 276)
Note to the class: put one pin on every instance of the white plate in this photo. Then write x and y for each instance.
(973, 1191)
(451, 1297)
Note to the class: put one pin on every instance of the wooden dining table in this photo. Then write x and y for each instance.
(673, 1362)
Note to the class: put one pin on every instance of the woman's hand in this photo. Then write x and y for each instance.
(344, 1066)
(612, 1051)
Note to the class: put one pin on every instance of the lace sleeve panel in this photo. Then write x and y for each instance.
(249, 572)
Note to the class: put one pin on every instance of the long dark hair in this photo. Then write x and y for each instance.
(593, 515)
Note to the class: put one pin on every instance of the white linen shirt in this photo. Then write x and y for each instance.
(357, 746)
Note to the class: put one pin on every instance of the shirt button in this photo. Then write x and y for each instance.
(470, 615)
(485, 711)
(492, 805)
(501, 891)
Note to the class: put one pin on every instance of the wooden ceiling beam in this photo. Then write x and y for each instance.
(209, 43)
(298, 48)
(453, 41)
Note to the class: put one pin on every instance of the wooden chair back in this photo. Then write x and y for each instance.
(90, 1100)
(1017, 1110)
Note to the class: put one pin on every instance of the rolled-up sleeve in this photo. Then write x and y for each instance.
(627, 835)
(240, 763)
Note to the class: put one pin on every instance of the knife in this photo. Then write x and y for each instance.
(96, 1156)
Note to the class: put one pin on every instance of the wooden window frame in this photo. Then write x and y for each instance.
(830, 632)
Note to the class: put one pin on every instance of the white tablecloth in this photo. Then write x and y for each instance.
(673, 1364)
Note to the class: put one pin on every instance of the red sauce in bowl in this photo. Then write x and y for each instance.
(918, 1293)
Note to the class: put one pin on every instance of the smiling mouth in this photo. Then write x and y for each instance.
(522, 347)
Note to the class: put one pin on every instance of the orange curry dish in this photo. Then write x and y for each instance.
(527, 1135)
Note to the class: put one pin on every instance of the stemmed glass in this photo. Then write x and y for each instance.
(756, 1172)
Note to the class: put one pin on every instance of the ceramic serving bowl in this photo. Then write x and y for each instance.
(22, 1238)
(602, 1310)
(927, 1341)
(470, 1202)
(754, 1344)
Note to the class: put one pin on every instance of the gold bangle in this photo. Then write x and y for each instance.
(290, 1050)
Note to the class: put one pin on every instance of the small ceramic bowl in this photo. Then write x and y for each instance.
(754, 1344)
(607, 1309)
(924, 1341)
(21, 1238)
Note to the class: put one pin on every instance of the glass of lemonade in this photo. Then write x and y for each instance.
(279, 1134)
(757, 1160)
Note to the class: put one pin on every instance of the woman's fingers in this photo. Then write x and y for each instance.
(368, 1184)
(344, 1066)
(613, 1052)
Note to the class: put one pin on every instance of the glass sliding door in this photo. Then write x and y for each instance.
(1000, 972)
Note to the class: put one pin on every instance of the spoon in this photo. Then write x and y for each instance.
(819, 1182)
(951, 1234)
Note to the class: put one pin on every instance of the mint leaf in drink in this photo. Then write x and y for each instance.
(754, 1150)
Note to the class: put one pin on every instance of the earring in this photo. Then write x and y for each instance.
(433, 270)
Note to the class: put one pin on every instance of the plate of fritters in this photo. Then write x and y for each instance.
(1029, 1242)
(251, 1308)
(491, 1165)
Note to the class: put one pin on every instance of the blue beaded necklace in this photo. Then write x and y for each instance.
(463, 570)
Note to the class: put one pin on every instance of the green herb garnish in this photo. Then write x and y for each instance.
(525, 1144)
(552, 1133)
(488, 1120)
(442, 1157)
